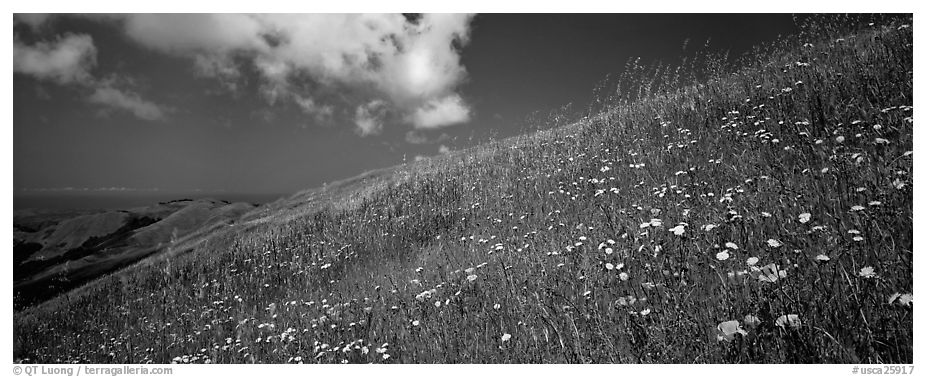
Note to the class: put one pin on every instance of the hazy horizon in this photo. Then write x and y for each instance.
(62, 200)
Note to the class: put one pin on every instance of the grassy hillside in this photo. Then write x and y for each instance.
(778, 195)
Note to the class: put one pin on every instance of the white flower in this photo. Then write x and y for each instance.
(752, 261)
(857, 208)
(773, 242)
(789, 320)
(731, 245)
(506, 337)
(415, 323)
(472, 277)
(708, 227)
(867, 272)
(623, 276)
(751, 320)
(678, 230)
(609, 266)
(770, 273)
(727, 330)
(905, 299)
(723, 255)
(823, 258)
(803, 218)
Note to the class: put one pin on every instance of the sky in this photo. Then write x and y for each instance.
(274, 104)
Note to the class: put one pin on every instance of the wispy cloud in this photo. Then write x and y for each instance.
(68, 60)
(127, 101)
(422, 137)
(369, 118)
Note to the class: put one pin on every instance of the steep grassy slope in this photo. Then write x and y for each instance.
(778, 196)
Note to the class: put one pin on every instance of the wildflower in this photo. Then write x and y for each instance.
(770, 273)
(905, 299)
(723, 255)
(773, 243)
(506, 337)
(752, 261)
(609, 266)
(789, 320)
(678, 230)
(867, 272)
(497, 306)
(415, 323)
(898, 184)
(625, 301)
(804, 217)
(823, 258)
(727, 330)
(645, 312)
(623, 276)
(751, 320)
(472, 277)
(731, 245)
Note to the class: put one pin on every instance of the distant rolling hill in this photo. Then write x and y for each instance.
(57, 250)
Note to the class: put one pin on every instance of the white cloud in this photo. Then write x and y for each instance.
(412, 65)
(309, 106)
(66, 60)
(128, 101)
(422, 137)
(187, 33)
(369, 118)
(441, 112)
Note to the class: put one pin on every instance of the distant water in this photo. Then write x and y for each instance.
(123, 200)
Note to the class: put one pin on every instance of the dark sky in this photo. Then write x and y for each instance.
(128, 102)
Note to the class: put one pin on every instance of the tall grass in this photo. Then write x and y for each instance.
(626, 236)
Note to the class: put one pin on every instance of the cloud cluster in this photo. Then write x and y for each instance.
(68, 60)
(409, 66)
